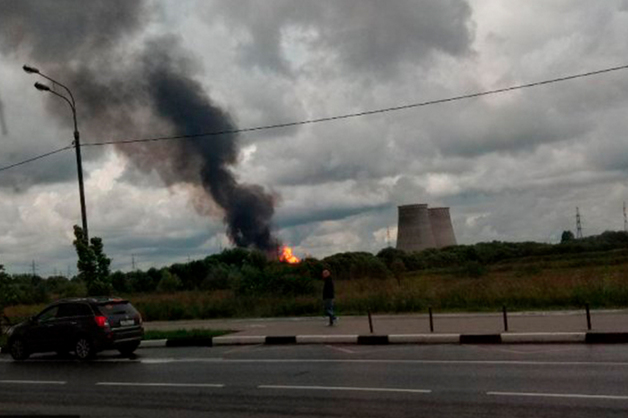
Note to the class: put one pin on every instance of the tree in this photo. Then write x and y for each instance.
(4, 289)
(398, 268)
(93, 264)
(169, 282)
(567, 236)
(102, 261)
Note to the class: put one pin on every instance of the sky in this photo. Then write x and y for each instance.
(511, 166)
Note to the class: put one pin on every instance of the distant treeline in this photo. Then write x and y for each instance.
(249, 272)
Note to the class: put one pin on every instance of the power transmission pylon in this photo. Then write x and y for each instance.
(578, 224)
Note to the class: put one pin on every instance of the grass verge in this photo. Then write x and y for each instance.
(183, 334)
(534, 283)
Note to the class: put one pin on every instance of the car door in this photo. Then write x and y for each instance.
(68, 323)
(40, 335)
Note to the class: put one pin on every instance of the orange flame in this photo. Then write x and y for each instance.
(287, 256)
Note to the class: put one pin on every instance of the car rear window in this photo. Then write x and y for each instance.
(74, 309)
(117, 308)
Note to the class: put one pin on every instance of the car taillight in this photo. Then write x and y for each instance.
(101, 321)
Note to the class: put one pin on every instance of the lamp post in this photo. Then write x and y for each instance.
(77, 143)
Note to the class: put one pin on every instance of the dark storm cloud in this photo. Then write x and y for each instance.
(60, 167)
(511, 128)
(367, 36)
(59, 36)
(297, 218)
(60, 31)
(120, 90)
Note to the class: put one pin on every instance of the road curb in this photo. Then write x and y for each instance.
(543, 337)
(480, 338)
(153, 343)
(606, 337)
(418, 339)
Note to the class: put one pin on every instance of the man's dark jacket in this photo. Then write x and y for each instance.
(328, 288)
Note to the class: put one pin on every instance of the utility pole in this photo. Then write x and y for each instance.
(578, 224)
(77, 140)
(33, 268)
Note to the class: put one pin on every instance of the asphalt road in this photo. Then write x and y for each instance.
(326, 381)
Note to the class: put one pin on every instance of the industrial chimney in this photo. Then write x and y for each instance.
(414, 231)
(442, 228)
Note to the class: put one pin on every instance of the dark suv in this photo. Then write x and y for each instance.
(82, 325)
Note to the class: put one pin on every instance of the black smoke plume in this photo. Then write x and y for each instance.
(124, 91)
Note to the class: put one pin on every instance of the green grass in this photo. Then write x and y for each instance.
(182, 334)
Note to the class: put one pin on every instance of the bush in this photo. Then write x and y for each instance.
(169, 282)
(76, 288)
(119, 282)
(142, 282)
(276, 279)
(389, 254)
(218, 277)
(474, 269)
(357, 265)
(99, 288)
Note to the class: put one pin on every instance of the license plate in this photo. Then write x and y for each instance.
(127, 322)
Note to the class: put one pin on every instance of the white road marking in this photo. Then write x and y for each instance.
(159, 360)
(183, 385)
(344, 388)
(558, 395)
(344, 350)
(34, 382)
(527, 351)
(384, 361)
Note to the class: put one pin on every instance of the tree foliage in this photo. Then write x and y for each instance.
(566, 237)
(248, 272)
(93, 264)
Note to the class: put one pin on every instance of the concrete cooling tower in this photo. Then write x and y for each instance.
(442, 229)
(414, 230)
(420, 228)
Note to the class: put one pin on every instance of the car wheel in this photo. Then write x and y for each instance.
(128, 349)
(84, 349)
(18, 351)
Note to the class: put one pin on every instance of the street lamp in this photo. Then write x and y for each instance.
(77, 143)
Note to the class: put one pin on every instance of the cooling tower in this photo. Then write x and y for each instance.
(442, 229)
(414, 232)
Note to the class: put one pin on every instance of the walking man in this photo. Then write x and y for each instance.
(328, 296)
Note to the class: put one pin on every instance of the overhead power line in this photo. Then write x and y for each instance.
(363, 113)
(39, 157)
(330, 118)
